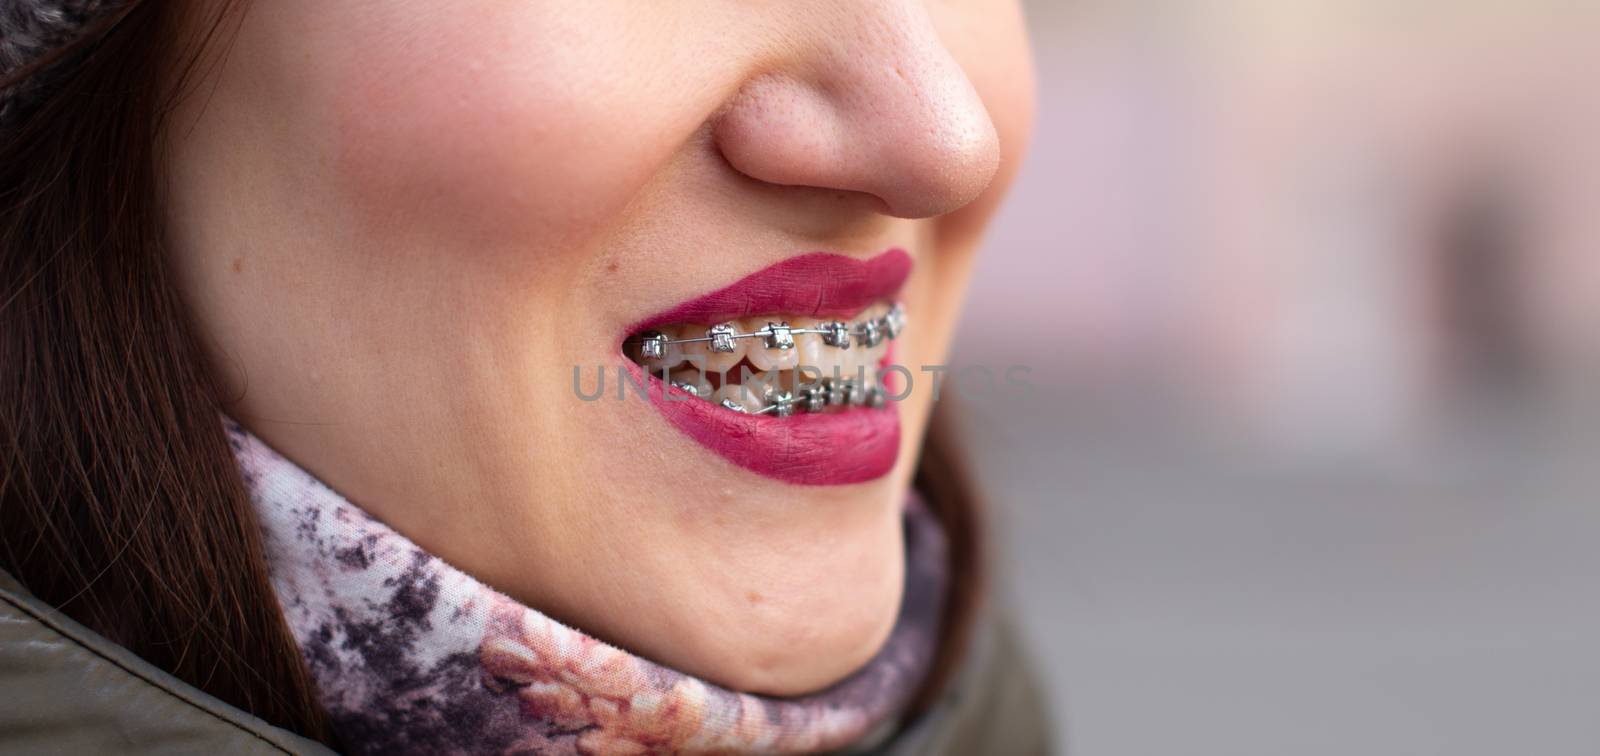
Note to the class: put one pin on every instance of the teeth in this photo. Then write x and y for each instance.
(722, 337)
(870, 358)
(718, 355)
(894, 321)
(692, 381)
(651, 344)
(838, 392)
(777, 350)
(871, 333)
(739, 396)
(850, 350)
(777, 336)
(782, 402)
(809, 347)
(814, 398)
(838, 334)
(767, 382)
(855, 366)
(657, 351)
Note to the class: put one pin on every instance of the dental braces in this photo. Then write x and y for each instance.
(814, 397)
(779, 335)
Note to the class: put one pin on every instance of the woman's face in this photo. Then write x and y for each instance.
(403, 225)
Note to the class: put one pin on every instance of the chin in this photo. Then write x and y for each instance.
(801, 642)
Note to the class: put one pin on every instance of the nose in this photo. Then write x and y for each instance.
(869, 102)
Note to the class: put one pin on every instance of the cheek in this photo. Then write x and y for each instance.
(520, 139)
(472, 154)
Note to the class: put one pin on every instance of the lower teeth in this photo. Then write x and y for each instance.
(767, 397)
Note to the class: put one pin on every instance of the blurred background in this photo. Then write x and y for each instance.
(1310, 298)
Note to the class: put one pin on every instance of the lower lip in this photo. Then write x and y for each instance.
(826, 449)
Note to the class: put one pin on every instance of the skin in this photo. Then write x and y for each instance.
(400, 224)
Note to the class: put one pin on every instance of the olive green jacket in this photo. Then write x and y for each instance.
(65, 689)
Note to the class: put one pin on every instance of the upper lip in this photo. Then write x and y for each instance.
(819, 284)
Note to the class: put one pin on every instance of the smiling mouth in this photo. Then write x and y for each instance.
(783, 369)
(776, 366)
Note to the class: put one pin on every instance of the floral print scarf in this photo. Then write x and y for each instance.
(411, 655)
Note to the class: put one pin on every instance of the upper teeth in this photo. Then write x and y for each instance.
(780, 335)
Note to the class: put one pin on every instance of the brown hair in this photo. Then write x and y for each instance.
(120, 501)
